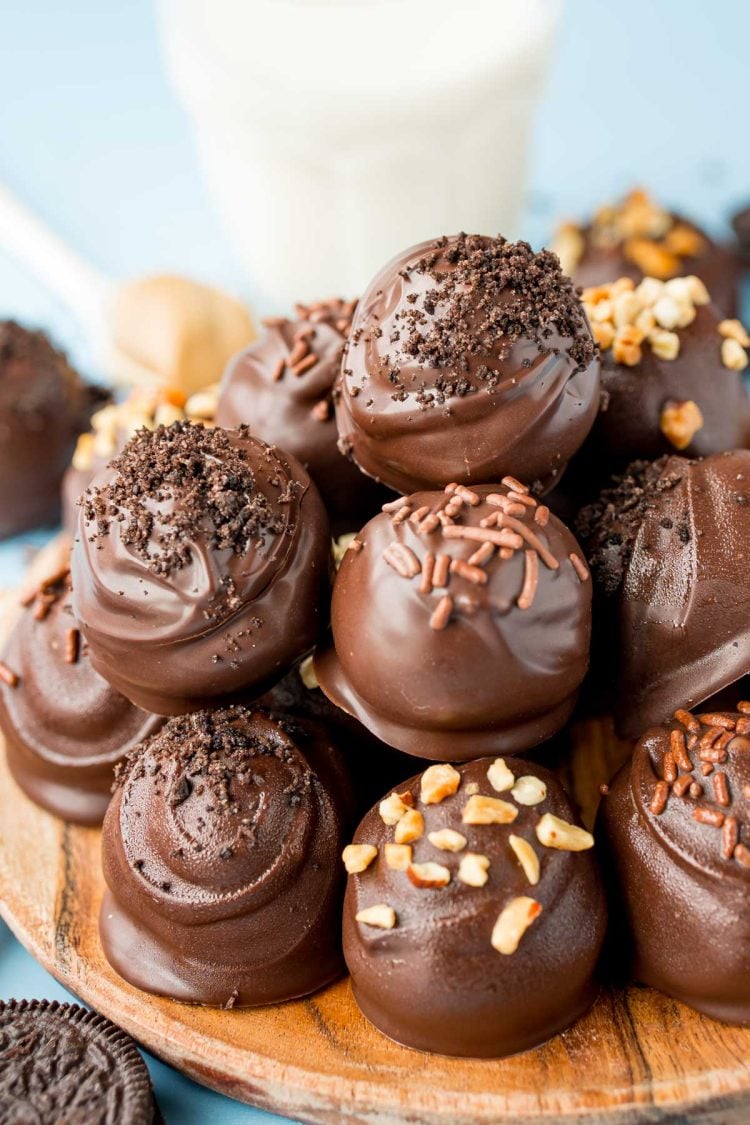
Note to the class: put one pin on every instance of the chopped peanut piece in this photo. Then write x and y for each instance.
(513, 922)
(569, 245)
(473, 869)
(358, 857)
(699, 295)
(626, 348)
(447, 840)
(604, 334)
(398, 856)
(488, 810)
(439, 782)
(392, 809)
(527, 857)
(667, 312)
(733, 355)
(554, 832)
(471, 788)
(383, 917)
(735, 330)
(529, 790)
(307, 673)
(499, 776)
(428, 875)
(680, 422)
(664, 344)
(410, 827)
(83, 456)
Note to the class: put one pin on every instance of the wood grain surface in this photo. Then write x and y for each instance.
(636, 1057)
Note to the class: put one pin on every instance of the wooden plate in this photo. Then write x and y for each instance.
(637, 1056)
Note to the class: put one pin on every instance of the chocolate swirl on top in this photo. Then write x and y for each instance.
(474, 914)
(282, 386)
(677, 829)
(469, 357)
(668, 546)
(201, 566)
(65, 727)
(220, 853)
(461, 623)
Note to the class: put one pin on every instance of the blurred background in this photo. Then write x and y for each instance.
(202, 137)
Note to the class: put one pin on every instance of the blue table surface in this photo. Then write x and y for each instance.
(92, 138)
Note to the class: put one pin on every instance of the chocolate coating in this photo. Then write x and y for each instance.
(261, 388)
(628, 428)
(741, 227)
(44, 406)
(668, 549)
(60, 1062)
(220, 851)
(469, 357)
(65, 728)
(635, 237)
(459, 669)
(435, 981)
(681, 887)
(216, 578)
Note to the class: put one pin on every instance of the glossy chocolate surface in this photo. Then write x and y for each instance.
(434, 981)
(669, 551)
(677, 844)
(282, 388)
(451, 666)
(220, 851)
(210, 584)
(65, 728)
(469, 358)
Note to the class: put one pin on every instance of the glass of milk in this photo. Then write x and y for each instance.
(334, 133)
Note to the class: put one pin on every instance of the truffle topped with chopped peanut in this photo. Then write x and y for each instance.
(474, 914)
(637, 237)
(672, 372)
(676, 830)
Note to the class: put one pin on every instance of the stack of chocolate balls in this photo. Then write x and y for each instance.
(259, 691)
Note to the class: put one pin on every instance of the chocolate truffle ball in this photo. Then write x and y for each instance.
(114, 425)
(461, 623)
(44, 406)
(677, 838)
(220, 851)
(282, 387)
(636, 237)
(200, 568)
(65, 728)
(469, 357)
(671, 374)
(668, 547)
(474, 914)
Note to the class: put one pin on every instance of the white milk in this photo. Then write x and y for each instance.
(334, 133)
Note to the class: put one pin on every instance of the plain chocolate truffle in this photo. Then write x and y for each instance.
(65, 728)
(44, 406)
(474, 914)
(200, 568)
(636, 237)
(676, 837)
(461, 623)
(469, 357)
(668, 548)
(282, 387)
(220, 852)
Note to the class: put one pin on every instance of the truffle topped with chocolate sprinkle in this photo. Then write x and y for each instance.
(469, 357)
(668, 547)
(461, 623)
(474, 913)
(220, 852)
(282, 387)
(201, 566)
(677, 827)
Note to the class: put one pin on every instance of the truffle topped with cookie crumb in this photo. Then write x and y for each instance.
(676, 830)
(474, 915)
(469, 357)
(200, 568)
(461, 623)
(282, 387)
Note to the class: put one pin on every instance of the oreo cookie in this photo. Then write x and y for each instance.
(62, 1063)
